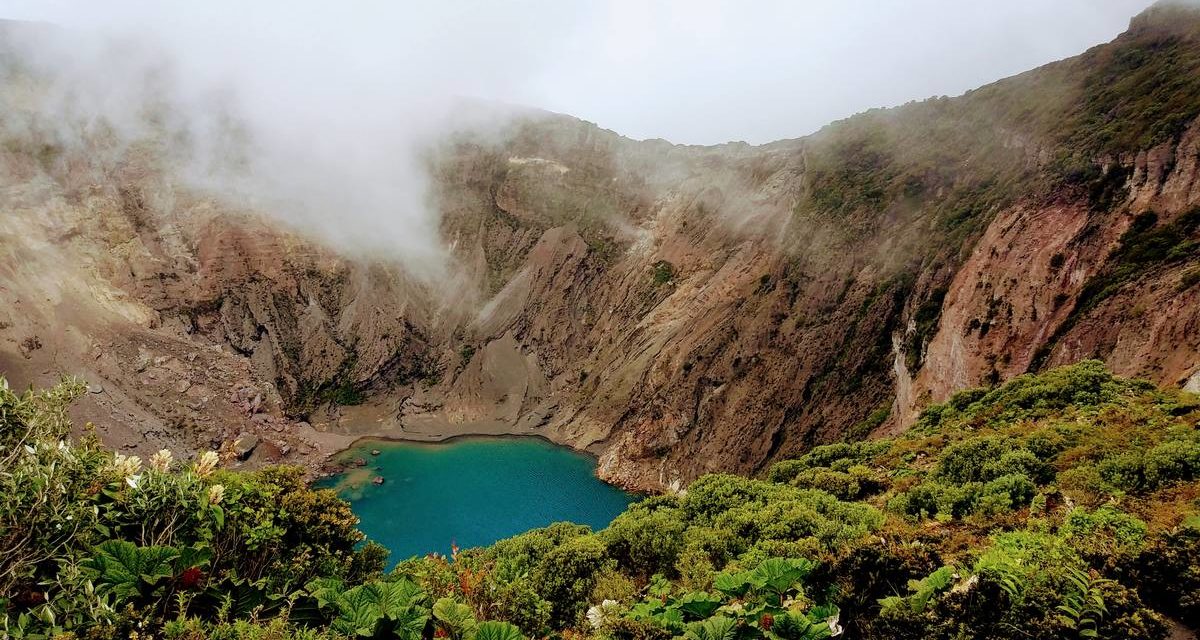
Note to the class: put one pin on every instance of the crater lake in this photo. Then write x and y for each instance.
(469, 491)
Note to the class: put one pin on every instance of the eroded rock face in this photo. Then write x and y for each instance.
(1015, 303)
(676, 310)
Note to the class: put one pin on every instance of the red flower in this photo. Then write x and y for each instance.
(440, 633)
(766, 622)
(191, 577)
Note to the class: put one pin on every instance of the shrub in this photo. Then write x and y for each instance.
(1005, 494)
(1171, 564)
(1172, 461)
(519, 603)
(177, 550)
(663, 272)
(566, 576)
(711, 495)
(1125, 471)
(1019, 461)
(1101, 534)
(827, 456)
(936, 499)
(1084, 385)
(521, 554)
(966, 461)
(646, 540)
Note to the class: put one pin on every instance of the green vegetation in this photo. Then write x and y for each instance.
(1143, 91)
(1189, 279)
(346, 393)
(340, 389)
(465, 353)
(945, 166)
(876, 418)
(1059, 505)
(664, 272)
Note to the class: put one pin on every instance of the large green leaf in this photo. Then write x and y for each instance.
(358, 612)
(646, 609)
(129, 570)
(318, 603)
(732, 584)
(671, 618)
(654, 610)
(790, 626)
(194, 556)
(305, 612)
(455, 618)
(325, 590)
(778, 575)
(493, 630)
(409, 623)
(395, 598)
(379, 609)
(819, 622)
(698, 605)
(719, 628)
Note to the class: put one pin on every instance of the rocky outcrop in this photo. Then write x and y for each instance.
(676, 310)
(1015, 303)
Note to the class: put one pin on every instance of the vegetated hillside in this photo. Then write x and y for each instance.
(678, 310)
(1059, 505)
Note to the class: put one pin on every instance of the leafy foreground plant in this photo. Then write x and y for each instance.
(1059, 505)
(767, 602)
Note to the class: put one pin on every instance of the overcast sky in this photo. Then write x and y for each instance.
(692, 71)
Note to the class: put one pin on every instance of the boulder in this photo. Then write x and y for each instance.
(244, 445)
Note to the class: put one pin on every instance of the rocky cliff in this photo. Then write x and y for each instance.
(673, 309)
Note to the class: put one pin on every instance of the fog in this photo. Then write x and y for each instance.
(335, 101)
(690, 71)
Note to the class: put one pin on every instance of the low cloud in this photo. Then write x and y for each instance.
(319, 113)
(322, 121)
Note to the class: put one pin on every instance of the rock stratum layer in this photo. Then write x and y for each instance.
(675, 309)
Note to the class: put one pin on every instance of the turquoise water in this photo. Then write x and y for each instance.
(471, 492)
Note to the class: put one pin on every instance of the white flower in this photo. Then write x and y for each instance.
(126, 465)
(835, 629)
(133, 481)
(215, 494)
(966, 585)
(161, 461)
(597, 614)
(206, 463)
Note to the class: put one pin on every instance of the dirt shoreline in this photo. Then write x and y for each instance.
(357, 442)
(349, 427)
